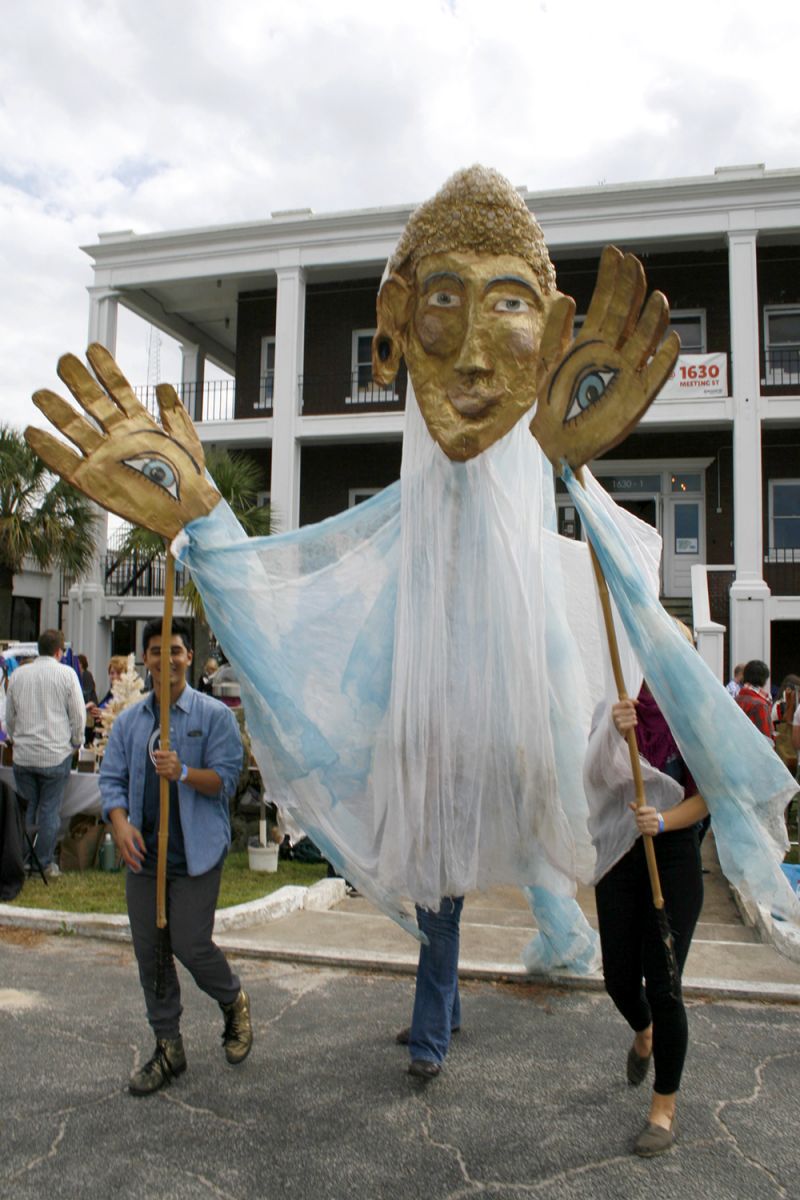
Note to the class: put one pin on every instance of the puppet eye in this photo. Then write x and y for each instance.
(589, 388)
(157, 470)
(511, 304)
(443, 299)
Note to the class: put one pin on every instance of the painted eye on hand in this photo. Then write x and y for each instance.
(157, 470)
(589, 388)
(444, 300)
(511, 304)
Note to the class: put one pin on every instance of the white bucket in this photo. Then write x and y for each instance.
(263, 858)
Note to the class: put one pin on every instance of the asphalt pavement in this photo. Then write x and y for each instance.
(532, 1101)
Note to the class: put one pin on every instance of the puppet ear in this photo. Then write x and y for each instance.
(394, 311)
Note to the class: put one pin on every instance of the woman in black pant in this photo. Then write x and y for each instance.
(631, 943)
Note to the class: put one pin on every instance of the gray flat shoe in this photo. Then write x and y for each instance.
(636, 1067)
(423, 1068)
(653, 1140)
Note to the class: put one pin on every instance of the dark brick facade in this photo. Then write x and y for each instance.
(691, 279)
(255, 320)
(328, 472)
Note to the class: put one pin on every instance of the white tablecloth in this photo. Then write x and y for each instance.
(81, 795)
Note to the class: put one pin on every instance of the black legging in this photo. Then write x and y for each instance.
(632, 947)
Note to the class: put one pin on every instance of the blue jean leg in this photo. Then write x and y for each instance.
(42, 789)
(437, 1005)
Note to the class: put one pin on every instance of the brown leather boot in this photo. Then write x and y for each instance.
(237, 1036)
(167, 1063)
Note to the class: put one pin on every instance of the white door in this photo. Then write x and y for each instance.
(684, 542)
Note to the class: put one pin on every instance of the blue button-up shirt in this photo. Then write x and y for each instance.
(203, 733)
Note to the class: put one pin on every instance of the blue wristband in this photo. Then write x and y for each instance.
(185, 772)
(660, 822)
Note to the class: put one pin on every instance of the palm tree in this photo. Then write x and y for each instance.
(41, 517)
(239, 480)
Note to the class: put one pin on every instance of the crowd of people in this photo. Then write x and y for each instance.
(774, 711)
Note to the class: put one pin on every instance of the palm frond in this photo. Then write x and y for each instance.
(40, 515)
(239, 479)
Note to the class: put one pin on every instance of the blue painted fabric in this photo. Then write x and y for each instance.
(737, 772)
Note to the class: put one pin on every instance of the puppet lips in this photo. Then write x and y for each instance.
(473, 404)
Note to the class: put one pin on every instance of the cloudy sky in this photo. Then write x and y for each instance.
(160, 114)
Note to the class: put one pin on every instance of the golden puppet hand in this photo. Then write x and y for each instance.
(150, 474)
(601, 383)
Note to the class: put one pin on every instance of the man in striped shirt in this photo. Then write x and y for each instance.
(45, 719)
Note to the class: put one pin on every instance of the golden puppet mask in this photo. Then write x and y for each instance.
(470, 302)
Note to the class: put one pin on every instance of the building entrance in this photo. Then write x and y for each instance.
(670, 497)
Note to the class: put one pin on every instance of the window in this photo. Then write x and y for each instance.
(782, 345)
(687, 528)
(362, 357)
(362, 388)
(686, 483)
(266, 379)
(25, 618)
(688, 323)
(262, 499)
(690, 326)
(784, 518)
(621, 485)
(359, 495)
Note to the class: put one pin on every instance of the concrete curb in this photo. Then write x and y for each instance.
(320, 896)
(505, 972)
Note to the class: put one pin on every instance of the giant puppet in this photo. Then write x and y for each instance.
(419, 673)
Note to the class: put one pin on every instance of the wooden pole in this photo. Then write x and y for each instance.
(164, 704)
(636, 769)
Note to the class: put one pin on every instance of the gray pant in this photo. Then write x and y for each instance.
(191, 903)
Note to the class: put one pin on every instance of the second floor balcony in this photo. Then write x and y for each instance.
(781, 371)
(138, 575)
(696, 377)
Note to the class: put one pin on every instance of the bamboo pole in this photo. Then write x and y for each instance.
(164, 705)
(636, 768)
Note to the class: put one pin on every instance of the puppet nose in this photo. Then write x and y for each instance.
(474, 357)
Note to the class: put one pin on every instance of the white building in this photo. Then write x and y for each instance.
(286, 306)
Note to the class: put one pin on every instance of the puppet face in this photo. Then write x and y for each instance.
(472, 347)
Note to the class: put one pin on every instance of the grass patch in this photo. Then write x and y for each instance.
(104, 891)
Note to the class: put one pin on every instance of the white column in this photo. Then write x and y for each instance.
(289, 334)
(193, 365)
(103, 305)
(749, 593)
(87, 628)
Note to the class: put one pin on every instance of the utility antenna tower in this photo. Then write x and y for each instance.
(153, 357)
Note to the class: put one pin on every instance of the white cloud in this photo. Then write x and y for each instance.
(152, 114)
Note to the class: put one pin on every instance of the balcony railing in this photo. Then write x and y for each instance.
(138, 575)
(331, 393)
(347, 394)
(782, 370)
(215, 401)
(782, 571)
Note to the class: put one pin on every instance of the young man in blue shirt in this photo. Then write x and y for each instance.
(202, 766)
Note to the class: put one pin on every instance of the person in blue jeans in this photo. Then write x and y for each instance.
(437, 1004)
(45, 719)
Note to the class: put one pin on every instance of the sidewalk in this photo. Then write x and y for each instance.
(727, 957)
(320, 926)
